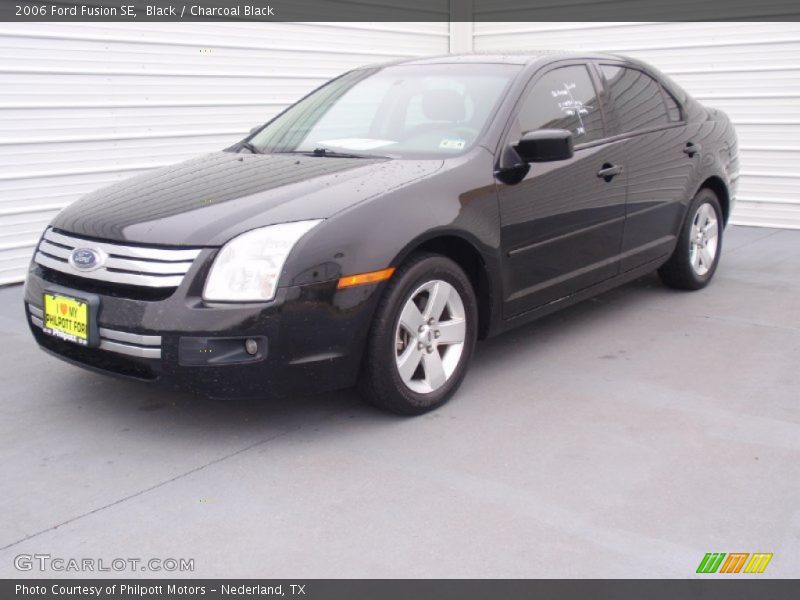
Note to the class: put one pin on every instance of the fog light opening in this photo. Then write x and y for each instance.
(251, 346)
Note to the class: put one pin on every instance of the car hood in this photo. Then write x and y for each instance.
(207, 200)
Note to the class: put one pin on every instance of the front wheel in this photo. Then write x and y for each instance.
(696, 256)
(422, 337)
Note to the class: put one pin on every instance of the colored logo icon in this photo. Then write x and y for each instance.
(736, 562)
(87, 259)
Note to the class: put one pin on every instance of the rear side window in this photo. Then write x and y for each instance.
(564, 98)
(638, 99)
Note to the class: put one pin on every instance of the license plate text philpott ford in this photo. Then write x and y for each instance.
(66, 318)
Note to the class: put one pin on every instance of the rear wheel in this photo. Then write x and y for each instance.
(422, 338)
(696, 256)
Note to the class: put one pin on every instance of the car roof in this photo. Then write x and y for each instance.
(513, 57)
(527, 58)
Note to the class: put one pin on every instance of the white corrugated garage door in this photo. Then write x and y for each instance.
(83, 105)
(750, 70)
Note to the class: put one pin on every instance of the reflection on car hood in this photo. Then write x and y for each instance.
(207, 200)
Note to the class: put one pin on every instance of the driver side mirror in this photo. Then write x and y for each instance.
(544, 145)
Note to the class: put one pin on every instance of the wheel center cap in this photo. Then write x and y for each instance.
(425, 335)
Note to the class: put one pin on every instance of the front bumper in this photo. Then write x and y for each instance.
(311, 337)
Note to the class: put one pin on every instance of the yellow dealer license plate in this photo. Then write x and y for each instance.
(66, 318)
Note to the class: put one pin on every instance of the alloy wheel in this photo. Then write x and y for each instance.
(704, 239)
(429, 337)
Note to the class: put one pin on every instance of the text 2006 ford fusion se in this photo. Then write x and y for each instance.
(372, 232)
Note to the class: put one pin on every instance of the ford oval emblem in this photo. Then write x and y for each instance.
(87, 259)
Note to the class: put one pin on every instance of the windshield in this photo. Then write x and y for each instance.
(403, 111)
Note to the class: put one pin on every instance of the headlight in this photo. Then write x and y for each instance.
(248, 267)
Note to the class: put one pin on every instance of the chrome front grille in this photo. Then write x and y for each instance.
(121, 342)
(130, 265)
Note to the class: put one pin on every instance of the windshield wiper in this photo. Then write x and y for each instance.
(334, 154)
(328, 153)
(248, 146)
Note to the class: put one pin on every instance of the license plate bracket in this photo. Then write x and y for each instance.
(71, 316)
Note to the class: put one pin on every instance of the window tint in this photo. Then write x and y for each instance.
(672, 107)
(637, 97)
(402, 111)
(443, 89)
(564, 98)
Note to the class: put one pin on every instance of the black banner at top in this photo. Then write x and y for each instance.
(398, 10)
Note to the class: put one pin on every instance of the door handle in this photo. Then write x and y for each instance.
(691, 149)
(609, 171)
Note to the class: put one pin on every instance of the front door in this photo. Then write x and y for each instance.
(562, 225)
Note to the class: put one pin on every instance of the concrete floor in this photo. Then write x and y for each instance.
(624, 437)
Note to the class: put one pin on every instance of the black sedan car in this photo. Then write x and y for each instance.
(373, 231)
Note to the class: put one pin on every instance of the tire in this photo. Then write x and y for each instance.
(390, 378)
(695, 258)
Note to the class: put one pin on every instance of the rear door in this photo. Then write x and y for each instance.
(561, 226)
(660, 170)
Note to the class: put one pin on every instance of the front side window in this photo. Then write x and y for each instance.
(564, 98)
(403, 111)
(637, 98)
